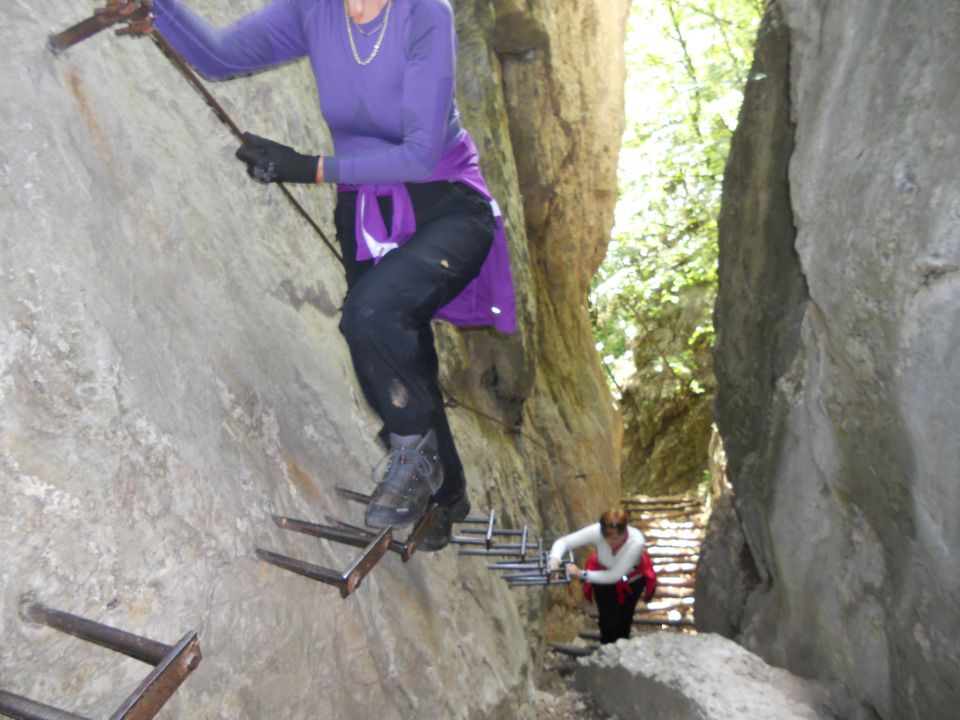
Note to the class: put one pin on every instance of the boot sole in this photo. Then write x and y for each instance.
(462, 511)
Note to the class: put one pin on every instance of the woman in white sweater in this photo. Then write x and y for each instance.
(615, 574)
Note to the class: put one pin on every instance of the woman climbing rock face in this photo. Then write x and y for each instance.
(617, 575)
(420, 234)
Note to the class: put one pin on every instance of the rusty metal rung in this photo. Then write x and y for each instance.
(536, 583)
(488, 520)
(134, 13)
(21, 708)
(507, 566)
(348, 580)
(494, 552)
(81, 31)
(349, 534)
(483, 531)
(513, 548)
(352, 495)
(172, 664)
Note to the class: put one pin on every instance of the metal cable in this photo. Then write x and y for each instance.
(174, 57)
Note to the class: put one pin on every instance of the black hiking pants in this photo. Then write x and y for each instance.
(388, 308)
(616, 619)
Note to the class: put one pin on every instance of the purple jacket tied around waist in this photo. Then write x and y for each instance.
(392, 121)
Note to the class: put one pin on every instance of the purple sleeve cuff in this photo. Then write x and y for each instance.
(331, 169)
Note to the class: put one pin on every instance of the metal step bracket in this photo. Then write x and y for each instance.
(488, 533)
(172, 664)
(135, 14)
(534, 571)
(543, 577)
(348, 580)
(490, 544)
(339, 531)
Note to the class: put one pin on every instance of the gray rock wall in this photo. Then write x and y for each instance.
(697, 677)
(171, 374)
(838, 323)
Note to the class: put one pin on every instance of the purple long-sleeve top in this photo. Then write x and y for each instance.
(392, 121)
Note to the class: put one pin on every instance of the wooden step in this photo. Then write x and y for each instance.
(668, 591)
(674, 568)
(675, 581)
(682, 622)
(658, 499)
(573, 650)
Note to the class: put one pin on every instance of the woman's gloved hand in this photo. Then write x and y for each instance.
(268, 161)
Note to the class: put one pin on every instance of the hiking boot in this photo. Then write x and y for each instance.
(438, 535)
(413, 474)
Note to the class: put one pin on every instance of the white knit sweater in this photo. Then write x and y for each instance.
(618, 565)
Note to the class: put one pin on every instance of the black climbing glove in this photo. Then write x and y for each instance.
(268, 161)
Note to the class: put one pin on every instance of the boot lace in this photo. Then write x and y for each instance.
(402, 465)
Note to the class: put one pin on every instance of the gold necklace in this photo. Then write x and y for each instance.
(376, 46)
(369, 32)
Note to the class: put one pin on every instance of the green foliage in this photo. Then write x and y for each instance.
(687, 61)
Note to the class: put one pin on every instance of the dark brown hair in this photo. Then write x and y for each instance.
(613, 520)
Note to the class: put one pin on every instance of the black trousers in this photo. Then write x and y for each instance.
(388, 308)
(616, 619)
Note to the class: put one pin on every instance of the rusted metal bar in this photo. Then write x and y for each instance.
(541, 581)
(494, 552)
(531, 565)
(140, 648)
(348, 534)
(419, 531)
(314, 572)
(135, 13)
(483, 531)
(172, 664)
(159, 685)
(396, 546)
(528, 575)
(365, 561)
(81, 31)
(512, 548)
(21, 708)
(347, 581)
(479, 520)
(352, 495)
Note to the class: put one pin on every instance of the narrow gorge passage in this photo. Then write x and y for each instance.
(673, 527)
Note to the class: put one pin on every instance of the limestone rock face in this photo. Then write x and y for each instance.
(566, 119)
(726, 572)
(838, 320)
(697, 677)
(171, 375)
